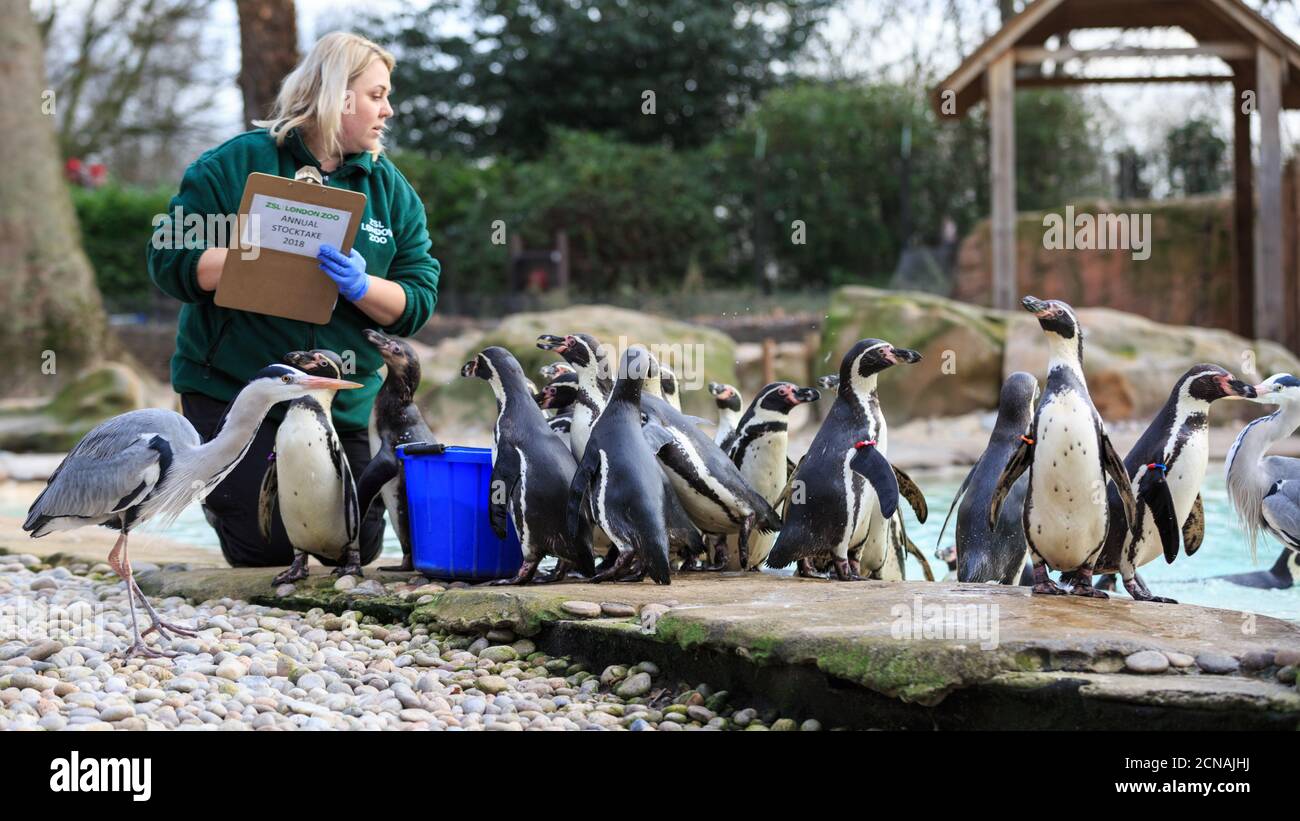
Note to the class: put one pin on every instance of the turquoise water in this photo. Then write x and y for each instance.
(1188, 579)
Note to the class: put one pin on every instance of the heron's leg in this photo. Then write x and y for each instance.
(158, 625)
(117, 559)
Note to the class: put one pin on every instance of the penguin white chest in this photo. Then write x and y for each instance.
(764, 465)
(1066, 517)
(310, 489)
(1186, 474)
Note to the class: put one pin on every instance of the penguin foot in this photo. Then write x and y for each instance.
(1088, 591)
(295, 571)
(689, 563)
(524, 576)
(351, 564)
(406, 566)
(1140, 592)
(561, 571)
(807, 570)
(1048, 588)
(844, 571)
(635, 571)
(616, 569)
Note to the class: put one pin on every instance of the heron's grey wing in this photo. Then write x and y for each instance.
(1280, 467)
(1282, 510)
(116, 465)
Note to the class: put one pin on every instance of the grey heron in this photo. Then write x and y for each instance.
(152, 463)
(1263, 489)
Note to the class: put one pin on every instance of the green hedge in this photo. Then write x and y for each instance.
(116, 224)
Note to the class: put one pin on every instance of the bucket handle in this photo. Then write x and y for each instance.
(423, 448)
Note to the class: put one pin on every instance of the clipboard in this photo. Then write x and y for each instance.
(285, 222)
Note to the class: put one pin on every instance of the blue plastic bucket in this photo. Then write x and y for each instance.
(447, 494)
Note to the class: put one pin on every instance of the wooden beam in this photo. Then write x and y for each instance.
(1270, 313)
(1073, 80)
(1001, 93)
(1226, 51)
(1243, 210)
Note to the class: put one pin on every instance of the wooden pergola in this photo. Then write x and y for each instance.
(1264, 66)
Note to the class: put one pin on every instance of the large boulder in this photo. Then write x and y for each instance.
(1131, 363)
(697, 354)
(961, 346)
(95, 395)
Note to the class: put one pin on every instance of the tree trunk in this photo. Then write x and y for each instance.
(268, 38)
(52, 319)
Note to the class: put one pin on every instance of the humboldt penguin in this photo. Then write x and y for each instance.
(1167, 466)
(308, 479)
(759, 449)
(844, 490)
(591, 360)
(829, 382)
(996, 553)
(1070, 459)
(394, 421)
(531, 473)
(730, 405)
(1283, 575)
(558, 399)
(619, 485)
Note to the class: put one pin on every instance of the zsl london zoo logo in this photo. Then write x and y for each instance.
(378, 233)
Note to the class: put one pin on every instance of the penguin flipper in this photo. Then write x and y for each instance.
(266, 500)
(915, 551)
(582, 478)
(505, 476)
(1194, 527)
(656, 436)
(351, 510)
(1113, 466)
(961, 491)
(870, 464)
(912, 493)
(1019, 463)
(1153, 492)
(381, 469)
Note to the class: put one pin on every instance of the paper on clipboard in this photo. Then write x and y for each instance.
(284, 222)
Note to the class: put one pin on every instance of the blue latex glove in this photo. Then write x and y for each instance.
(348, 272)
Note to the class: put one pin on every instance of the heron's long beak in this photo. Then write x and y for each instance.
(323, 383)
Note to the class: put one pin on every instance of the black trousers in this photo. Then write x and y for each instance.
(231, 507)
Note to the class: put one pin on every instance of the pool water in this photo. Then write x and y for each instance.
(1188, 580)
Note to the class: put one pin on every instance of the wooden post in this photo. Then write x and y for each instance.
(1002, 164)
(1243, 209)
(1270, 313)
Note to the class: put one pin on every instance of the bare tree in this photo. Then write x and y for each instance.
(268, 39)
(134, 81)
(53, 316)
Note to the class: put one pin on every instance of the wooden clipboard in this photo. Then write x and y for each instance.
(287, 283)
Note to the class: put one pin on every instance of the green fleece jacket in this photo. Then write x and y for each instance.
(219, 349)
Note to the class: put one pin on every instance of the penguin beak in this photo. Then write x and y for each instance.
(551, 342)
(321, 383)
(804, 395)
(903, 355)
(1239, 389)
(1036, 306)
(469, 368)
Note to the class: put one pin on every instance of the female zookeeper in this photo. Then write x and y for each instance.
(330, 114)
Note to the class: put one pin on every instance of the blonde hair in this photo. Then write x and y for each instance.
(314, 94)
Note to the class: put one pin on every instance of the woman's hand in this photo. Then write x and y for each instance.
(211, 262)
(349, 272)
